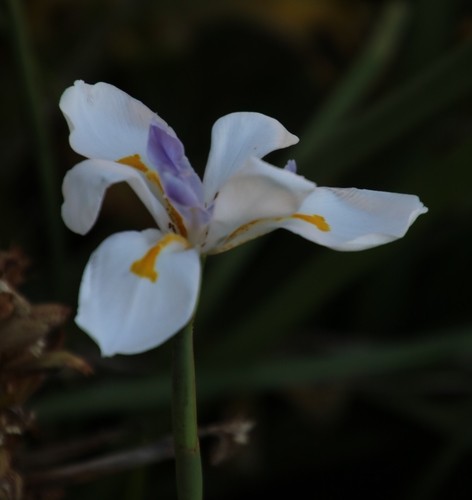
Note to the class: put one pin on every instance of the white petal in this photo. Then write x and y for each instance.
(126, 313)
(255, 195)
(237, 137)
(84, 187)
(354, 219)
(105, 122)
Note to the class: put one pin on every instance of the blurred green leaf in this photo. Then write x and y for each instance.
(432, 31)
(355, 86)
(282, 310)
(150, 393)
(443, 84)
(442, 464)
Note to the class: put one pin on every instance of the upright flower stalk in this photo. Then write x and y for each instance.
(141, 288)
(184, 417)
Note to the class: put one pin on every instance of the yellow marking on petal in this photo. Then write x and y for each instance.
(133, 161)
(152, 176)
(145, 267)
(242, 229)
(228, 244)
(174, 215)
(176, 218)
(316, 220)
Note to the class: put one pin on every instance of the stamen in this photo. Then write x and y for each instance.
(316, 220)
(145, 267)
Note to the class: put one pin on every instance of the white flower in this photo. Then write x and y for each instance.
(140, 288)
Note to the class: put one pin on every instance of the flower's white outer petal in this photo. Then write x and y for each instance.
(105, 122)
(357, 218)
(237, 137)
(84, 187)
(256, 193)
(128, 314)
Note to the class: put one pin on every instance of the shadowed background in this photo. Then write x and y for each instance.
(355, 367)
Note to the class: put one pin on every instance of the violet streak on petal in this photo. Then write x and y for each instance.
(167, 154)
(291, 166)
(179, 191)
(179, 180)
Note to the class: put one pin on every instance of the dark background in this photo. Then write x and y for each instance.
(355, 367)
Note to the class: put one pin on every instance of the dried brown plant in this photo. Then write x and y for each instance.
(31, 338)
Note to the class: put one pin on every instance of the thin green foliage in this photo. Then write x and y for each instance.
(46, 172)
(346, 364)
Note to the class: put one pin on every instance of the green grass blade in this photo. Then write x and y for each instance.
(150, 393)
(442, 85)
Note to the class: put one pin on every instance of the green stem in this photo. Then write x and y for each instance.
(184, 415)
(33, 101)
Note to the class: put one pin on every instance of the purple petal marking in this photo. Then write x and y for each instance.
(179, 191)
(179, 180)
(291, 166)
